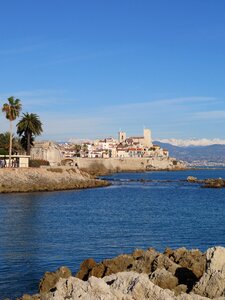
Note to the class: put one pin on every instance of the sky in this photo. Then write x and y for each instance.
(90, 68)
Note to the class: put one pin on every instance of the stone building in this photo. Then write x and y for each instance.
(145, 140)
(46, 151)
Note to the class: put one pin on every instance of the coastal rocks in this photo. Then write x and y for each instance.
(208, 183)
(212, 283)
(140, 261)
(177, 269)
(192, 179)
(120, 286)
(214, 183)
(45, 179)
(51, 278)
(146, 275)
(194, 260)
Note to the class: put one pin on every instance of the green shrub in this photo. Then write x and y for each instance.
(36, 163)
(3, 151)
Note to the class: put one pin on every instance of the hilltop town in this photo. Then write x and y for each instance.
(123, 147)
(134, 153)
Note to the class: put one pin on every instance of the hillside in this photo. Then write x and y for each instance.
(207, 154)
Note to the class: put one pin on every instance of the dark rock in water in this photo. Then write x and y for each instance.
(214, 183)
(208, 183)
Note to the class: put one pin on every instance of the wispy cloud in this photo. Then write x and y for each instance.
(210, 115)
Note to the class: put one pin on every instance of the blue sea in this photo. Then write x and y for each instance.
(42, 231)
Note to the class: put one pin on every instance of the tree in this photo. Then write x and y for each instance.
(28, 127)
(12, 110)
(4, 144)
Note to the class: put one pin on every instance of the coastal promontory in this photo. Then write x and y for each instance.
(45, 179)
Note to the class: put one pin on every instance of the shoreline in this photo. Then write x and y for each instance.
(179, 274)
(20, 180)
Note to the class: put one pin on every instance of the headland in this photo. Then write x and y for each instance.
(46, 179)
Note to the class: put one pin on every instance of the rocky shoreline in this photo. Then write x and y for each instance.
(143, 275)
(46, 179)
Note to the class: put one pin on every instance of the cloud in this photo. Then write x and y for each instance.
(210, 115)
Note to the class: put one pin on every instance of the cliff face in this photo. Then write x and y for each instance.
(45, 179)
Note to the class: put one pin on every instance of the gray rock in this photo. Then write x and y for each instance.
(212, 283)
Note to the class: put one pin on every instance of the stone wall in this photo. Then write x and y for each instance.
(102, 166)
(46, 151)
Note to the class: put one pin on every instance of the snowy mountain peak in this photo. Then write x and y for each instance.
(193, 142)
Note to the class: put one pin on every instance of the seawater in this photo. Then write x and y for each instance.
(42, 231)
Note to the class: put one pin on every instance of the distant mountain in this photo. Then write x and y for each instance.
(193, 142)
(205, 154)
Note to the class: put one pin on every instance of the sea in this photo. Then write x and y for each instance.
(42, 231)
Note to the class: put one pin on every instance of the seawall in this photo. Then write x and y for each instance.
(101, 166)
(45, 179)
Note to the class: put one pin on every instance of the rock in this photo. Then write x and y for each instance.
(164, 279)
(140, 261)
(45, 179)
(212, 283)
(51, 278)
(162, 261)
(120, 286)
(194, 260)
(85, 268)
(192, 179)
(157, 276)
(214, 183)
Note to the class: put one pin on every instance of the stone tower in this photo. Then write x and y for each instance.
(122, 136)
(147, 138)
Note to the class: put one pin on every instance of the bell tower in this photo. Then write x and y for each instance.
(147, 138)
(121, 136)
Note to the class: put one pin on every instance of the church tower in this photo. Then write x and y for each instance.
(122, 136)
(147, 138)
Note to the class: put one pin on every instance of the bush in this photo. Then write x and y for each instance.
(36, 163)
(3, 151)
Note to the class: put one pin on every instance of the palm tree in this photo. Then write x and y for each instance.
(12, 111)
(28, 127)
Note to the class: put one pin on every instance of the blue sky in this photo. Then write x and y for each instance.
(90, 68)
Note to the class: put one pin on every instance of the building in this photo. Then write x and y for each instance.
(17, 161)
(46, 151)
(145, 140)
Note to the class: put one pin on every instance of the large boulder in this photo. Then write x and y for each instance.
(212, 283)
(50, 279)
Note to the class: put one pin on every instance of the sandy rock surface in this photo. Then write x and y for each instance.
(45, 179)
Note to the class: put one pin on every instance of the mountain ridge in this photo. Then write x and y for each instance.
(206, 155)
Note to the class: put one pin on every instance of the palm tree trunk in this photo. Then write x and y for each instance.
(10, 145)
(28, 142)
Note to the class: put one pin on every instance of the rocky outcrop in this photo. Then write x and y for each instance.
(45, 179)
(171, 269)
(208, 183)
(212, 283)
(143, 275)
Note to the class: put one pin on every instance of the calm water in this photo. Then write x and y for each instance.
(42, 231)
